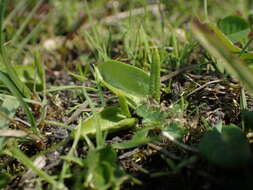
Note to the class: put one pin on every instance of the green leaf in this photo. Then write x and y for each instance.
(175, 130)
(139, 138)
(151, 115)
(125, 79)
(110, 119)
(235, 27)
(8, 108)
(102, 170)
(228, 149)
(232, 63)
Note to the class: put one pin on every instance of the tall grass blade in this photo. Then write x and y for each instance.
(232, 63)
(15, 91)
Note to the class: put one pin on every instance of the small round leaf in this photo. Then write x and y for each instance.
(228, 149)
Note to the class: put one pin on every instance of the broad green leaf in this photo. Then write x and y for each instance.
(125, 79)
(102, 170)
(228, 149)
(235, 27)
(110, 119)
(232, 63)
(8, 108)
(139, 138)
(175, 130)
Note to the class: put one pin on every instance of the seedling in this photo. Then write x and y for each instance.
(131, 85)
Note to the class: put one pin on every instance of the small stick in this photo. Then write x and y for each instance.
(203, 86)
(176, 142)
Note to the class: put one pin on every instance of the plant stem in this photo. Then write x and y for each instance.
(124, 106)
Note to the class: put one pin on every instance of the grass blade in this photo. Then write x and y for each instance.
(15, 91)
(15, 152)
(233, 64)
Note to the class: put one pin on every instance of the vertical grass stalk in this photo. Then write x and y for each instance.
(155, 83)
